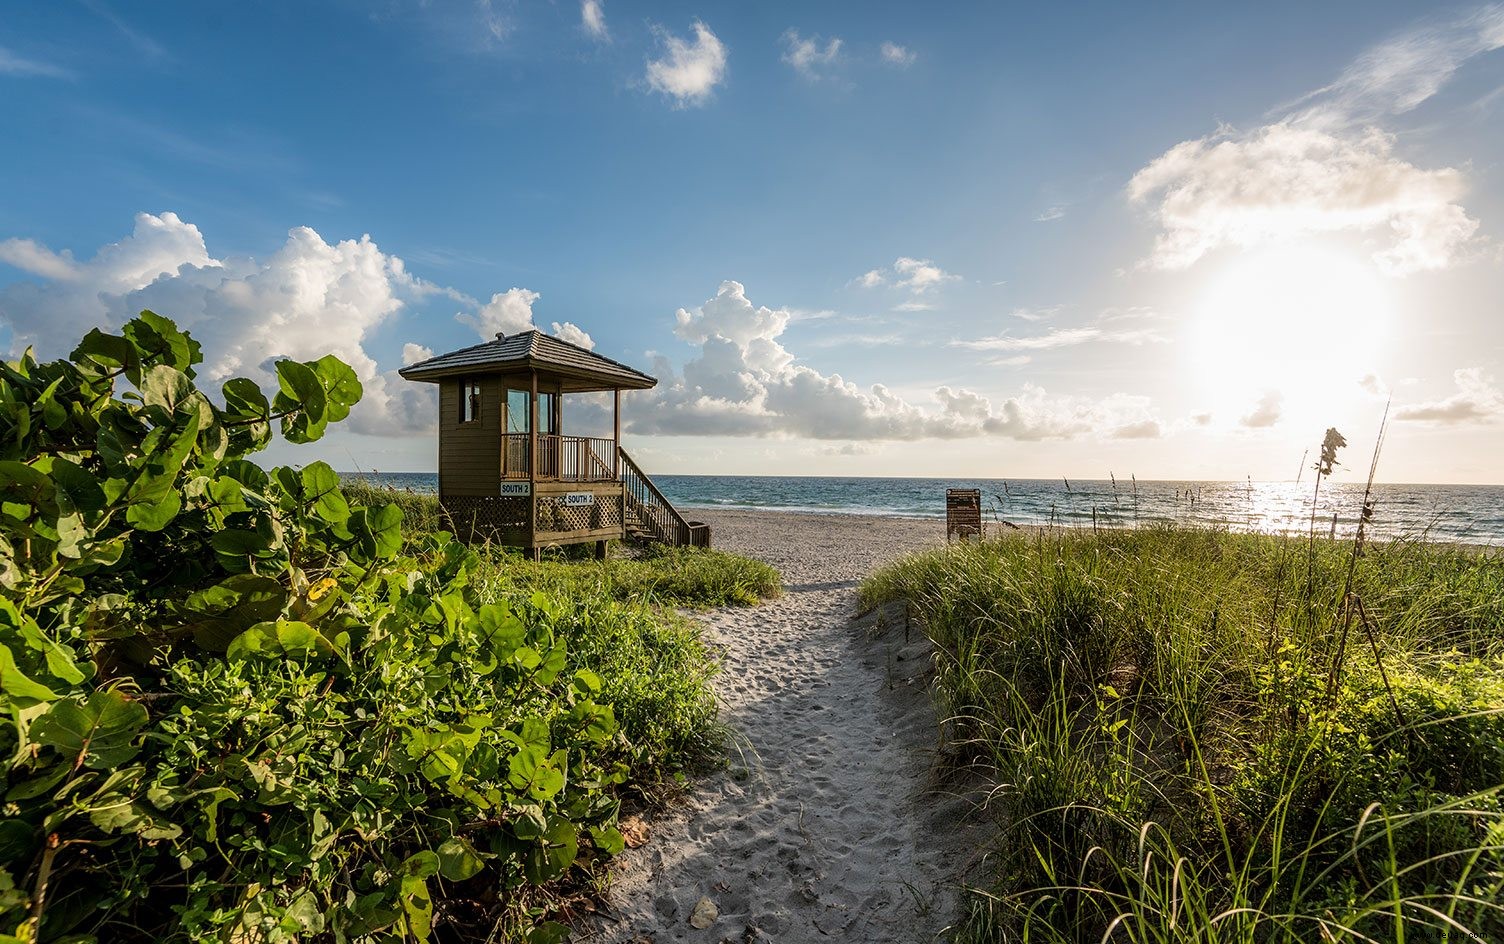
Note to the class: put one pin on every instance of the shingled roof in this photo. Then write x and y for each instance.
(578, 368)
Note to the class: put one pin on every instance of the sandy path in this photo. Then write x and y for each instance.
(829, 823)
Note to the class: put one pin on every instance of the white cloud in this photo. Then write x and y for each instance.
(574, 334)
(1477, 400)
(897, 55)
(511, 312)
(1050, 214)
(593, 19)
(1066, 337)
(17, 65)
(807, 56)
(414, 353)
(744, 382)
(1326, 167)
(1035, 314)
(689, 70)
(1284, 181)
(308, 299)
(918, 277)
(1266, 412)
(1398, 75)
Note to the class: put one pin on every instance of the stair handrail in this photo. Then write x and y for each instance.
(685, 529)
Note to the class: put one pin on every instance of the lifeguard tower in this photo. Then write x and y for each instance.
(507, 472)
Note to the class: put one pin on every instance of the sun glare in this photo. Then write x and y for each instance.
(1305, 323)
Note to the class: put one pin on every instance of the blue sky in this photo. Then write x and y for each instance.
(1175, 239)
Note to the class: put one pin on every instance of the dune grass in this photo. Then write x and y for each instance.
(1194, 738)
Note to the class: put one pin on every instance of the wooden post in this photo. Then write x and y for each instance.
(532, 464)
(616, 430)
(600, 550)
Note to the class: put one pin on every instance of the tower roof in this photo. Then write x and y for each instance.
(576, 368)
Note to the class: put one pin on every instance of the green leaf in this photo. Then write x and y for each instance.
(321, 490)
(165, 386)
(458, 859)
(548, 932)
(154, 516)
(106, 352)
(97, 733)
(15, 684)
(417, 904)
(220, 613)
(552, 854)
(342, 388)
(303, 395)
(279, 638)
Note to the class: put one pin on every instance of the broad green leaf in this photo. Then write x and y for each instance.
(154, 516)
(342, 388)
(165, 386)
(458, 859)
(552, 854)
(98, 732)
(106, 352)
(278, 638)
(300, 384)
(321, 490)
(15, 684)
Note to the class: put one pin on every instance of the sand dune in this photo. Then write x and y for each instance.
(832, 820)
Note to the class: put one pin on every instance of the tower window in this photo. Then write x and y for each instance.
(469, 401)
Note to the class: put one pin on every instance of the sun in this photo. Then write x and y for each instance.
(1303, 322)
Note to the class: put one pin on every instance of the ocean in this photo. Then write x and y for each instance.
(1467, 513)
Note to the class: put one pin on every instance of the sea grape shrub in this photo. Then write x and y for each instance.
(237, 708)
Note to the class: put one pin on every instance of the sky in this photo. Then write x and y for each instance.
(1171, 240)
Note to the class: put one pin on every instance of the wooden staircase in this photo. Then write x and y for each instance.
(651, 516)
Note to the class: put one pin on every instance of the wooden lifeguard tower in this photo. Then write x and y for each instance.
(507, 472)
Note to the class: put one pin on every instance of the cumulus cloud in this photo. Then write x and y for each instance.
(744, 382)
(807, 56)
(1283, 181)
(1477, 400)
(1326, 166)
(593, 19)
(918, 277)
(897, 55)
(689, 69)
(1266, 412)
(511, 312)
(307, 299)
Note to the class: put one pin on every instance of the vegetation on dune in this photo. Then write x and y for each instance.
(1194, 739)
(244, 707)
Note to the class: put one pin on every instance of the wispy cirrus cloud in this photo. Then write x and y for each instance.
(1050, 214)
(1325, 167)
(688, 69)
(1107, 328)
(12, 63)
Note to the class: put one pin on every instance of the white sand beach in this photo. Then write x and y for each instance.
(832, 820)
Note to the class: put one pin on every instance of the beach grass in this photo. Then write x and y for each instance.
(1197, 735)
